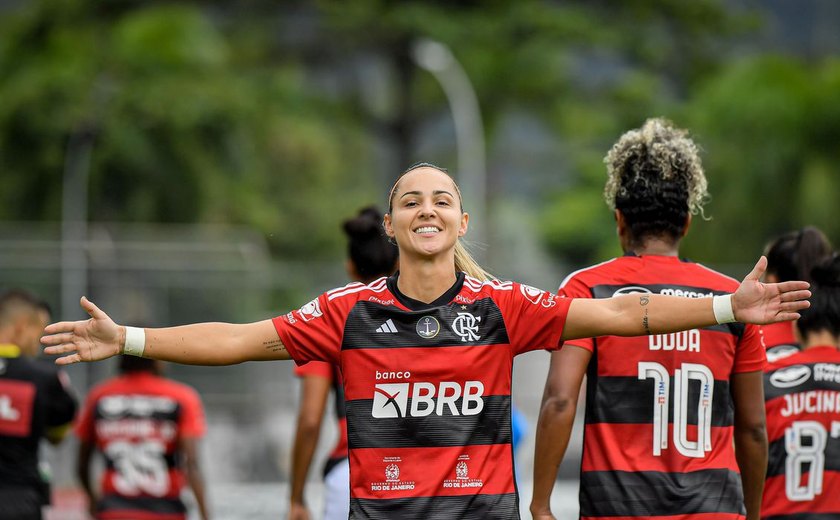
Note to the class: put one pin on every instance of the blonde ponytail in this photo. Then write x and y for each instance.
(466, 263)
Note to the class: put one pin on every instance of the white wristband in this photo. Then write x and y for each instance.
(135, 341)
(722, 307)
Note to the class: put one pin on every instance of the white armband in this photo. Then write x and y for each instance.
(722, 307)
(135, 341)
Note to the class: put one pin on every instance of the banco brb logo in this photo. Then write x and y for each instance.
(391, 399)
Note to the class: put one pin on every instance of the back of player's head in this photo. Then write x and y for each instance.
(129, 364)
(15, 303)
(793, 255)
(824, 312)
(373, 255)
(655, 179)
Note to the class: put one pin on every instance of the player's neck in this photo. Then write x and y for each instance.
(654, 246)
(822, 338)
(426, 280)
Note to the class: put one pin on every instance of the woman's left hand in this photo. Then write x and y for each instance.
(762, 303)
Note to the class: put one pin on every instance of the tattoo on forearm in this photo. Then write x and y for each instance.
(643, 301)
(274, 345)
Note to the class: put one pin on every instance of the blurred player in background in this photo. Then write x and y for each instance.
(426, 354)
(147, 428)
(791, 256)
(661, 410)
(35, 402)
(802, 394)
(371, 255)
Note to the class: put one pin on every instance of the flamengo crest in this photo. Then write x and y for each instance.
(466, 326)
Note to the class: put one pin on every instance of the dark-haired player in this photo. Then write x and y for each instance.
(662, 410)
(791, 257)
(36, 403)
(802, 394)
(370, 255)
(147, 428)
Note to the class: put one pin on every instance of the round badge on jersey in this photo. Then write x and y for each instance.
(428, 327)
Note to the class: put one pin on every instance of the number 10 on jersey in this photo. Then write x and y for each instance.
(662, 399)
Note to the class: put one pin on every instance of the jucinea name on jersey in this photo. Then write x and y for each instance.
(391, 400)
(685, 341)
(814, 401)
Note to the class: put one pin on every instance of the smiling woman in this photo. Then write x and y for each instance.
(436, 442)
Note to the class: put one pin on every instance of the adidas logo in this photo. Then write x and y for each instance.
(388, 326)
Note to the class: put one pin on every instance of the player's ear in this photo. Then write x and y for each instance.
(386, 223)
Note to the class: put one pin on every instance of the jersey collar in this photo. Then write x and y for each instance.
(417, 305)
(7, 350)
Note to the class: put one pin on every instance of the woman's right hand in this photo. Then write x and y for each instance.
(85, 340)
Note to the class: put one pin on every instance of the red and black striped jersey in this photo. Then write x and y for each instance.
(330, 373)
(35, 397)
(658, 437)
(779, 340)
(427, 390)
(136, 421)
(802, 397)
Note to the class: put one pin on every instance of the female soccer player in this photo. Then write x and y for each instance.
(426, 354)
(791, 257)
(802, 395)
(371, 255)
(662, 410)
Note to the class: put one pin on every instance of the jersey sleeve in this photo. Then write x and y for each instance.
(61, 404)
(313, 332)
(84, 423)
(575, 288)
(534, 318)
(315, 368)
(192, 422)
(750, 353)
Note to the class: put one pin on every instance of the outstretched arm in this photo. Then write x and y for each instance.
(199, 344)
(557, 416)
(637, 315)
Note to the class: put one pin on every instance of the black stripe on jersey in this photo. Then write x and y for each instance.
(491, 426)
(170, 458)
(468, 507)
(162, 505)
(630, 400)
(777, 454)
(607, 291)
(804, 516)
(363, 328)
(785, 376)
(650, 493)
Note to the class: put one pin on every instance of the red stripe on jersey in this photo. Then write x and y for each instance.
(490, 364)
(775, 501)
(607, 449)
(693, 516)
(423, 472)
(17, 400)
(779, 334)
